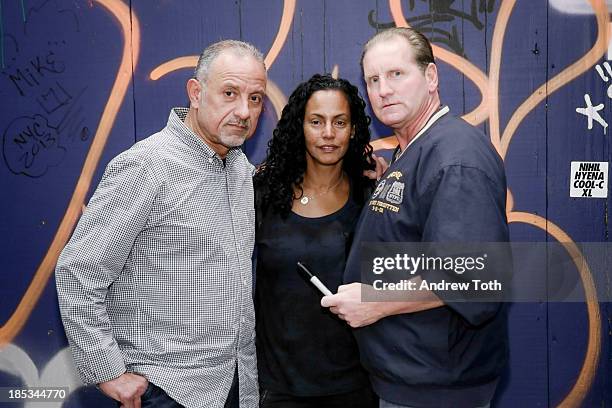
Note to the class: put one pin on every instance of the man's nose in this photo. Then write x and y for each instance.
(242, 110)
(384, 89)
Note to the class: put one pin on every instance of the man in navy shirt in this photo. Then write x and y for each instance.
(445, 184)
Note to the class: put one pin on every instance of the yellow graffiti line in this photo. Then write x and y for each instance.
(583, 64)
(509, 201)
(389, 142)
(281, 35)
(497, 45)
(481, 112)
(19, 317)
(335, 71)
(273, 92)
(173, 65)
(591, 359)
(190, 61)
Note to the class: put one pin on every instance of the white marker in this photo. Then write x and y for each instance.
(315, 281)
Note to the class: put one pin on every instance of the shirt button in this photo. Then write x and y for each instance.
(246, 282)
(242, 319)
(210, 160)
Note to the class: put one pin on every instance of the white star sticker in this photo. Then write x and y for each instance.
(592, 113)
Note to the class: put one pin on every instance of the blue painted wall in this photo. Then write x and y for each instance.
(59, 60)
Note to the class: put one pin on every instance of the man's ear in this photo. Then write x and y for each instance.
(194, 91)
(431, 75)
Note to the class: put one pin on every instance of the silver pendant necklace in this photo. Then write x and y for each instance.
(306, 199)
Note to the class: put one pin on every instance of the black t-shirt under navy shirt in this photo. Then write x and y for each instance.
(302, 348)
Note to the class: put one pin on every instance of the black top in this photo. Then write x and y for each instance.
(448, 186)
(302, 348)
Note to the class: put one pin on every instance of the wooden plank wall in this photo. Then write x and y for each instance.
(99, 75)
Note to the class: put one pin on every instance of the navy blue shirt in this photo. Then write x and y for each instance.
(448, 186)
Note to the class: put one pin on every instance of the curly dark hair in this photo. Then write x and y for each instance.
(285, 164)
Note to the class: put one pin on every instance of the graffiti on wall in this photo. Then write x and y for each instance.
(591, 112)
(442, 11)
(37, 140)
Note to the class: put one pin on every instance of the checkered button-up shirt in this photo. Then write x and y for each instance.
(156, 278)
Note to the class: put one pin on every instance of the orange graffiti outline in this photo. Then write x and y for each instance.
(582, 65)
(591, 359)
(175, 64)
(509, 201)
(274, 93)
(389, 142)
(499, 31)
(283, 31)
(335, 71)
(124, 74)
(191, 61)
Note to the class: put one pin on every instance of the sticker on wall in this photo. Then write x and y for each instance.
(589, 179)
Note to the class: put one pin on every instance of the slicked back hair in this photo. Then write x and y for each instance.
(420, 45)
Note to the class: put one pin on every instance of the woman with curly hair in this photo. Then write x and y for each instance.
(309, 193)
